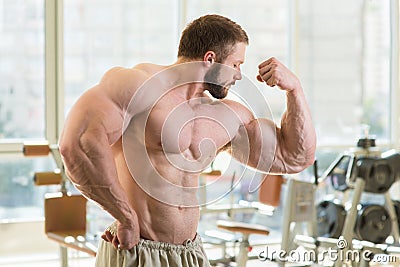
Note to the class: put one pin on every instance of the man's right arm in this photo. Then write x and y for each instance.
(95, 123)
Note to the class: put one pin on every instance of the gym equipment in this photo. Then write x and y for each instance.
(366, 169)
(41, 149)
(330, 219)
(339, 173)
(373, 224)
(246, 229)
(65, 214)
(378, 172)
(240, 243)
(396, 204)
(47, 178)
(36, 149)
(299, 209)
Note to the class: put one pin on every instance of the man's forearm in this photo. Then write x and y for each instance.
(92, 170)
(117, 206)
(296, 139)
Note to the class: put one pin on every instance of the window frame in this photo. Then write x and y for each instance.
(395, 75)
(54, 69)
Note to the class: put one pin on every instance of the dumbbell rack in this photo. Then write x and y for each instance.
(357, 185)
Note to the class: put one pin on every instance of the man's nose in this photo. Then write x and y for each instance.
(237, 75)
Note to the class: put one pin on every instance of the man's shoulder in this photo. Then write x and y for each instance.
(148, 68)
(135, 75)
(240, 109)
(235, 105)
(121, 80)
(118, 73)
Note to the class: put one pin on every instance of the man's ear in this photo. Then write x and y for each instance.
(209, 57)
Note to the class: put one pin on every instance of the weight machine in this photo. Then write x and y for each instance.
(363, 226)
(298, 211)
(360, 226)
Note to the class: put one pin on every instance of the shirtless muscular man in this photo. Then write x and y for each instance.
(137, 142)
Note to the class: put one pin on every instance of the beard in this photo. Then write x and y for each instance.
(213, 85)
(217, 91)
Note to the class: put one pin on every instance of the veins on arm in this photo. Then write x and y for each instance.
(262, 145)
(93, 125)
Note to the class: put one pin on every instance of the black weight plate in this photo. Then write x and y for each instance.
(373, 224)
(330, 219)
(380, 179)
(396, 204)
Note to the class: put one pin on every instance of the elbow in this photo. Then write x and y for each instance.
(303, 164)
(298, 167)
(66, 149)
(69, 152)
(70, 146)
(307, 163)
(297, 162)
(305, 156)
(310, 154)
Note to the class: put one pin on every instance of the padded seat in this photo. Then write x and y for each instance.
(244, 228)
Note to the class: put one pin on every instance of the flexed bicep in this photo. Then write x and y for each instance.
(262, 145)
(255, 144)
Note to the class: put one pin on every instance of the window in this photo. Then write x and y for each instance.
(344, 63)
(19, 197)
(22, 104)
(124, 33)
(22, 69)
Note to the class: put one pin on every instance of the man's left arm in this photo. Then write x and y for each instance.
(289, 148)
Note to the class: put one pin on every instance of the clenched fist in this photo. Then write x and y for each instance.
(126, 237)
(273, 72)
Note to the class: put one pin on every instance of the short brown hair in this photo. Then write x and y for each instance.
(210, 33)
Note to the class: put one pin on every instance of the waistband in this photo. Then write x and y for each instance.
(146, 243)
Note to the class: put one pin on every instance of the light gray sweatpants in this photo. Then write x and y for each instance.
(153, 254)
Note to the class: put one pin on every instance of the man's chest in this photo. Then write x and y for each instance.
(198, 129)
